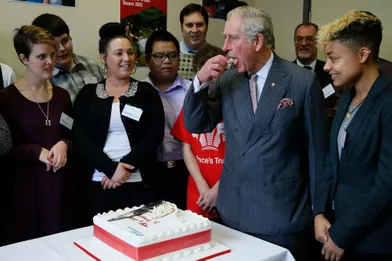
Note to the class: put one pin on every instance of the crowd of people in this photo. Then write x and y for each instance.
(294, 153)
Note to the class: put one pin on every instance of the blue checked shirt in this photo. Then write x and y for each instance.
(85, 71)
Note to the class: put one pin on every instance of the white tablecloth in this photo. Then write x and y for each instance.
(60, 247)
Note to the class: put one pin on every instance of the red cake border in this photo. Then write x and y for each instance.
(153, 250)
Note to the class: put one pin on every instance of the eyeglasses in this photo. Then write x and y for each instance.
(309, 39)
(160, 57)
(65, 41)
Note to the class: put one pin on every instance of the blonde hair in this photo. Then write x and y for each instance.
(358, 28)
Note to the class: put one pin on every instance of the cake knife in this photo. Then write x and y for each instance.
(138, 211)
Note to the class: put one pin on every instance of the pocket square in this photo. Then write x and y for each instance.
(284, 103)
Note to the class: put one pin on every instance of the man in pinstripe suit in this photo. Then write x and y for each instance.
(275, 144)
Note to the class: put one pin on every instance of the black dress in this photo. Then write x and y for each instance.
(35, 195)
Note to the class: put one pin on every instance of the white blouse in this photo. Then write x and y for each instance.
(117, 144)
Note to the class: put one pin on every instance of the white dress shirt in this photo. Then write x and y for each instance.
(172, 101)
(8, 75)
(312, 64)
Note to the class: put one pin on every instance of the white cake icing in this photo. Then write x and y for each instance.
(162, 223)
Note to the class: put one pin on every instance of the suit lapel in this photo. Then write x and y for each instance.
(274, 89)
(242, 100)
(319, 66)
(337, 122)
(357, 122)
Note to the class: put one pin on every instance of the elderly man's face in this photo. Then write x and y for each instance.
(238, 47)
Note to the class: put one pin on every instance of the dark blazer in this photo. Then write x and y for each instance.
(92, 111)
(360, 184)
(322, 75)
(272, 156)
(324, 78)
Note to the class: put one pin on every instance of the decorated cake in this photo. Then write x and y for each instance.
(158, 231)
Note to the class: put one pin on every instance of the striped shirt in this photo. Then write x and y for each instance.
(85, 71)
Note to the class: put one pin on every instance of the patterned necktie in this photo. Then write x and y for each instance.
(308, 67)
(253, 91)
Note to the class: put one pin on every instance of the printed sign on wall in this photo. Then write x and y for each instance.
(71, 3)
(142, 17)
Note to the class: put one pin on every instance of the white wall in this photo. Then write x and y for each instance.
(84, 22)
(89, 15)
(324, 12)
(286, 15)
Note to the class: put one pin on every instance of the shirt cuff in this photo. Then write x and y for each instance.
(197, 86)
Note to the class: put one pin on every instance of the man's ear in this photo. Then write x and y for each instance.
(259, 41)
(23, 59)
(364, 53)
(103, 58)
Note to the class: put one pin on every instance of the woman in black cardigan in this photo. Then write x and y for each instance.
(118, 126)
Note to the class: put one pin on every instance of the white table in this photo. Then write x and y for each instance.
(60, 247)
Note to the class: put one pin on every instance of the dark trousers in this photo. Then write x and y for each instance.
(170, 182)
(301, 245)
(126, 195)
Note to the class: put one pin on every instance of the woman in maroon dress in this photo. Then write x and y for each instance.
(35, 113)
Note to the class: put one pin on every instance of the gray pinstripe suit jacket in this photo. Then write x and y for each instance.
(272, 157)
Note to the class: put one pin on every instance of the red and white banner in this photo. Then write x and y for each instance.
(142, 18)
(131, 7)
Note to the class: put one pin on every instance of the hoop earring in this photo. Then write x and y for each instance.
(134, 70)
(104, 68)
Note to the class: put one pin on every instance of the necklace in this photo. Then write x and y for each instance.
(349, 113)
(46, 115)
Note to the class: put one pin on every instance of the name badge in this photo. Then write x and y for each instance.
(90, 79)
(328, 91)
(221, 128)
(66, 121)
(132, 112)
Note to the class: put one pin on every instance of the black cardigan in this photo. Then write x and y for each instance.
(92, 111)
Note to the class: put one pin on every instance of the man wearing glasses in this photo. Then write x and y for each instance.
(162, 57)
(306, 51)
(72, 71)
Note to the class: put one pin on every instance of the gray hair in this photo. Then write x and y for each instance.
(255, 21)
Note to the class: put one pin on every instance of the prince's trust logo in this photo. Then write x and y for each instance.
(210, 141)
